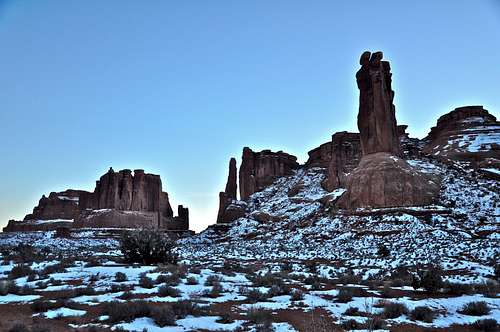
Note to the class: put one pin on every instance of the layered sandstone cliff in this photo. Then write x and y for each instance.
(123, 199)
(259, 169)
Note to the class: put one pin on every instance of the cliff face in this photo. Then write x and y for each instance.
(468, 133)
(259, 169)
(120, 200)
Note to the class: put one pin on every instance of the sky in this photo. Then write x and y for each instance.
(178, 87)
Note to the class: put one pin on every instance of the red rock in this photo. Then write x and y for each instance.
(259, 169)
(384, 180)
(376, 117)
(468, 133)
(229, 209)
(346, 152)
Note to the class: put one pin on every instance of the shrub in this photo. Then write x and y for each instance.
(215, 291)
(477, 308)
(423, 314)
(259, 316)
(255, 295)
(8, 286)
(350, 324)
(486, 325)
(375, 323)
(489, 288)
(212, 280)
(345, 295)
(297, 295)
(266, 280)
(383, 251)
(394, 309)
(351, 311)
(387, 292)
(163, 315)
(168, 291)
(20, 270)
(146, 282)
(19, 327)
(120, 277)
(127, 295)
(127, 312)
(43, 306)
(184, 308)
(287, 267)
(277, 290)
(147, 247)
(191, 281)
(456, 288)
(431, 280)
(88, 290)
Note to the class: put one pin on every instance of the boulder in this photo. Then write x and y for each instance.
(259, 169)
(384, 180)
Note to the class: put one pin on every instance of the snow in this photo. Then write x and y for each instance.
(189, 323)
(11, 298)
(64, 312)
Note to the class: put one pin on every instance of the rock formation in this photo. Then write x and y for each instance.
(120, 200)
(345, 155)
(259, 169)
(376, 117)
(468, 133)
(382, 179)
(228, 209)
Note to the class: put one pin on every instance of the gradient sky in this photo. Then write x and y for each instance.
(178, 87)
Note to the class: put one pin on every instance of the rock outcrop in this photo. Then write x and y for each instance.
(59, 205)
(345, 156)
(382, 178)
(120, 200)
(229, 210)
(376, 117)
(468, 133)
(259, 169)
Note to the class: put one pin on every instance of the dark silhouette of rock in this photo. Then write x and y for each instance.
(382, 179)
(120, 200)
(345, 155)
(259, 169)
(376, 117)
(229, 209)
(468, 133)
(231, 186)
(59, 205)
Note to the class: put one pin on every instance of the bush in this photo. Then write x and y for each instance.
(297, 295)
(20, 270)
(431, 280)
(383, 251)
(255, 295)
(163, 315)
(394, 309)
(43, 306)
(457, 289)
(477, 308)
(350, 324)
(191, 281)
(423, 314)
(184, 308)
(486, 325)
(212, 280)
(351, 311)
(126, 312)
(147, 247)
(215, 291)
(8, 286)
(168, 291)
(146, 282)
(259, 316)
(277, 290)
(345, 295)
(120, 277)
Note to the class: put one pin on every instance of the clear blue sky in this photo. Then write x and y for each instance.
(178, 87)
